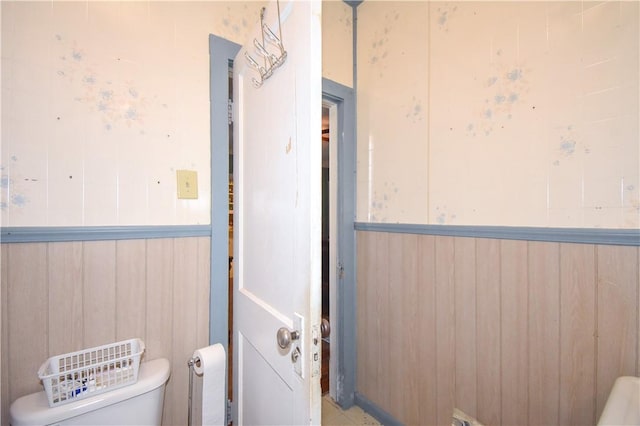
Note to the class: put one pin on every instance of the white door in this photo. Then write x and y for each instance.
(277, 223)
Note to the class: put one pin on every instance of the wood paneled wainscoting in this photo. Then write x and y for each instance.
(60, 297)
(511, 332)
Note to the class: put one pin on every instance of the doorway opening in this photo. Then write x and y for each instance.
(326, 239)
(330, 238)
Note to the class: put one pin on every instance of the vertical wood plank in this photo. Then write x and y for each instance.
(99, 287)
(577, 331)
(381, 328)
(617, 317)
(159, 310)
(130, 289)
(514, 345)
(374, 355)
(465, 323)
(27, 312)
(638, 314)
(201, 304)
(411, 330)
(159, 298)
(202, 291)
(363, 275)
(396, 322)
(4, 359)
(66, 332)
(544, 333)
(427, 389)
(185, 317)
(445, 329)
(488, 330)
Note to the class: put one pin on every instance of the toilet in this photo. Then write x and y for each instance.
(137, 404)
(623, 404)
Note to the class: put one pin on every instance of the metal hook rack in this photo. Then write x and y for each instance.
(271, 60)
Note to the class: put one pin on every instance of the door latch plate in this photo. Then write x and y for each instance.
(298, 345)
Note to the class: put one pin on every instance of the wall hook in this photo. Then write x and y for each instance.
(271, 60)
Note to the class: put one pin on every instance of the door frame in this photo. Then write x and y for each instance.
(221, 54)
(342, 387)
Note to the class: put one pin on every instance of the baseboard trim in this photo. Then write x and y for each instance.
(99, 233)
(378, 413)
(622, 237)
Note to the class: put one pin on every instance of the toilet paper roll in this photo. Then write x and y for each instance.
(212, 368)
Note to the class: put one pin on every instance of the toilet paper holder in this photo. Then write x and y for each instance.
(190, 363)
(193, 361)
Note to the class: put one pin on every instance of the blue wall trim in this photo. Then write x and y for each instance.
(621, 237)
(97, 233)
(378, 413)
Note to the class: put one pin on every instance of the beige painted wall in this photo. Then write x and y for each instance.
(337, 42)
(499, 113)
(103, 101)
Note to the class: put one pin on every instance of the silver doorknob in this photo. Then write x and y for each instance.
(325, 328)
(285, 337)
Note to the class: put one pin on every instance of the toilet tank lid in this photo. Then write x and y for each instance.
(34, 408)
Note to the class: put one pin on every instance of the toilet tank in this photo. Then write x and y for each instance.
(138, 404)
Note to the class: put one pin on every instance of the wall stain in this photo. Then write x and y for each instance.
(115, 103)
(505, 88)
(443, 216)
(19, 200)
(569, 144)
(379, 205)
(444, 15)
(567, 147)
(415, 112)
(379, 48)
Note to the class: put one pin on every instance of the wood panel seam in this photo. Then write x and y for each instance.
(595, 335)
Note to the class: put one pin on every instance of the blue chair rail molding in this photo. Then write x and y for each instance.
(96, 233)
(620, 237)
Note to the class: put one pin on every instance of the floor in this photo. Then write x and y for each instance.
(333, 415)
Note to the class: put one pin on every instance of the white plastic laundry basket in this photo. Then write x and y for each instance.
(92, 371)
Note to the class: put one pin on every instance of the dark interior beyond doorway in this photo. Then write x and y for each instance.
(324, 380)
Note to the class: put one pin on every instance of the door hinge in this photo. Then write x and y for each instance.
(229, 419)
(230, 110)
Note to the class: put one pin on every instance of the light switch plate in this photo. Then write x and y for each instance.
(187, 184)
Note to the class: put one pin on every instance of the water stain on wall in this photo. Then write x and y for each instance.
(569, 144)
(379, 205)
(505, 88)
(14, 189)
(379, 48)
(415, 112)
(444, 15)
(116, 101)
(443, 216)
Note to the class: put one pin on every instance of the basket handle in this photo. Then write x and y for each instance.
(142, 347)
(42, 369)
